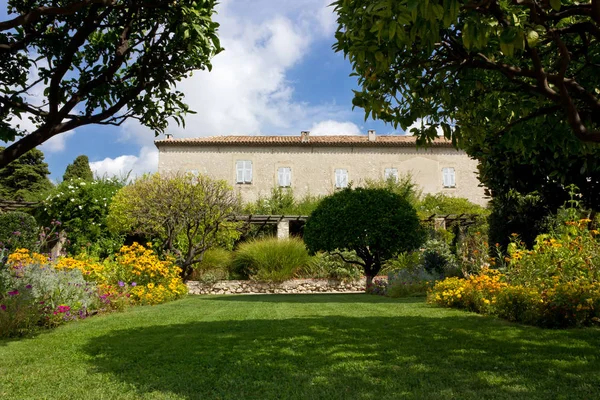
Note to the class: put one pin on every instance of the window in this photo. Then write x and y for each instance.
(391, 173)
(243, 172)
(341, 178)
(448, 177)
(284, 176)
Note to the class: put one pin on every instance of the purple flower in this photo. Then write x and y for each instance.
(2, 307)
(28, 287)
(133, 284)
(17, 233)
(121, 283)
(13, 293)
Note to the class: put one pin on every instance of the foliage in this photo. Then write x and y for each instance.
(79, 169)
(82, 208)
(270, 259)
(17, 229)
(404, 260)
(516, 213)
(127, 62)
(404, 186)
(185, 214)
(375, 223)
(437, 59)
(328, 266)
(283, 202)
(411, 281)
(438, 259)
(215, 265)
(26, 178)
(443, 204)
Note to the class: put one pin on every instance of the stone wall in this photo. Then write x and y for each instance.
(291, 286)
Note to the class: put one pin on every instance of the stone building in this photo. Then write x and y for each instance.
(319, 165)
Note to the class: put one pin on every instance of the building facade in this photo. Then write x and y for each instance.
(319, 165)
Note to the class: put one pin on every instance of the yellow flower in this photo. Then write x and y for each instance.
(150, 285)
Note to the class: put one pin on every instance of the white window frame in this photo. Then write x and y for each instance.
(389, 173)
(243, 172)
(341, 178)
(284, 177)
(448, 177)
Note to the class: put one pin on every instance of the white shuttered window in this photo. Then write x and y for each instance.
(243, 171)
(448, 177)
(391, 173)
(284, 176)
(341, 178)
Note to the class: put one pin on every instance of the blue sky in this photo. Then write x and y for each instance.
(277, 75)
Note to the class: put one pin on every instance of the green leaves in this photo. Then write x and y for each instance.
(555, 4)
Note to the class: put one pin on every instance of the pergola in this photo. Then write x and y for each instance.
(439, 221)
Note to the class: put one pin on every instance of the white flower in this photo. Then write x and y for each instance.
(70, 187)
(80, 207)
(72, 199)
(81, 183)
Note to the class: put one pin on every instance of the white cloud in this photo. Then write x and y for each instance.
(145, 162)
(332, 128)
(56, 143)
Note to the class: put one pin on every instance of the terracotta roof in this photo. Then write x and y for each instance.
(362, 140)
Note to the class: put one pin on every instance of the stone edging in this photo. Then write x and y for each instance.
(291, 286)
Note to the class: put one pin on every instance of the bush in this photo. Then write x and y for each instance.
(82, 208)
(330, 266)
(375, 223)
(270, 259)
(215, 265)
(17, 229)
(438, 259)
(33, 294)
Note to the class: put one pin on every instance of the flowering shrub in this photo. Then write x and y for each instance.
(556, 284)
(35, 294)
(82, 207)
(152, 281)
(410, 281)
(473, 253)
(378, 287)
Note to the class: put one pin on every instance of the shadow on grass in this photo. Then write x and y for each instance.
(311, 298)
(353, 358)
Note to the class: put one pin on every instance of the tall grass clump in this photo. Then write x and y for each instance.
(215, 265)
(270, 259)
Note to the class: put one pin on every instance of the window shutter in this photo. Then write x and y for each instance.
(239, 171)
(344, 178)
(448, 177)
(248, 172)
(287, 172)
(341, 178)
(391, 173)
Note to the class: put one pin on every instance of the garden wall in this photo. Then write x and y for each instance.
(291, 286)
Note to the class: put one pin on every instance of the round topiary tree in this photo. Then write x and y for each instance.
(376, 223)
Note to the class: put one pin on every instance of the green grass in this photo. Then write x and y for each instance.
(300, 347)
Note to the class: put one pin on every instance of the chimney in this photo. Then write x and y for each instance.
(304, 136)
(168, 136)
(372, 137)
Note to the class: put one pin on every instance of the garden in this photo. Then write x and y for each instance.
(97, 272)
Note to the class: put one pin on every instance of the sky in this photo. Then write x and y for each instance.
(278, 75)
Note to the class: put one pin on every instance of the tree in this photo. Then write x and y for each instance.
(431, 60)
(376, 223)
(80, 169)
(98, 62)
(25, 178)
(187, 214)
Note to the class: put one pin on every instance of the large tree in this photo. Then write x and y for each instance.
(375, 223)
(98, 62)
(26, 178)
(431, 59)
(79, 169)
(186, 214)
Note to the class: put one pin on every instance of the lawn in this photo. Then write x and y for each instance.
(346, 346)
